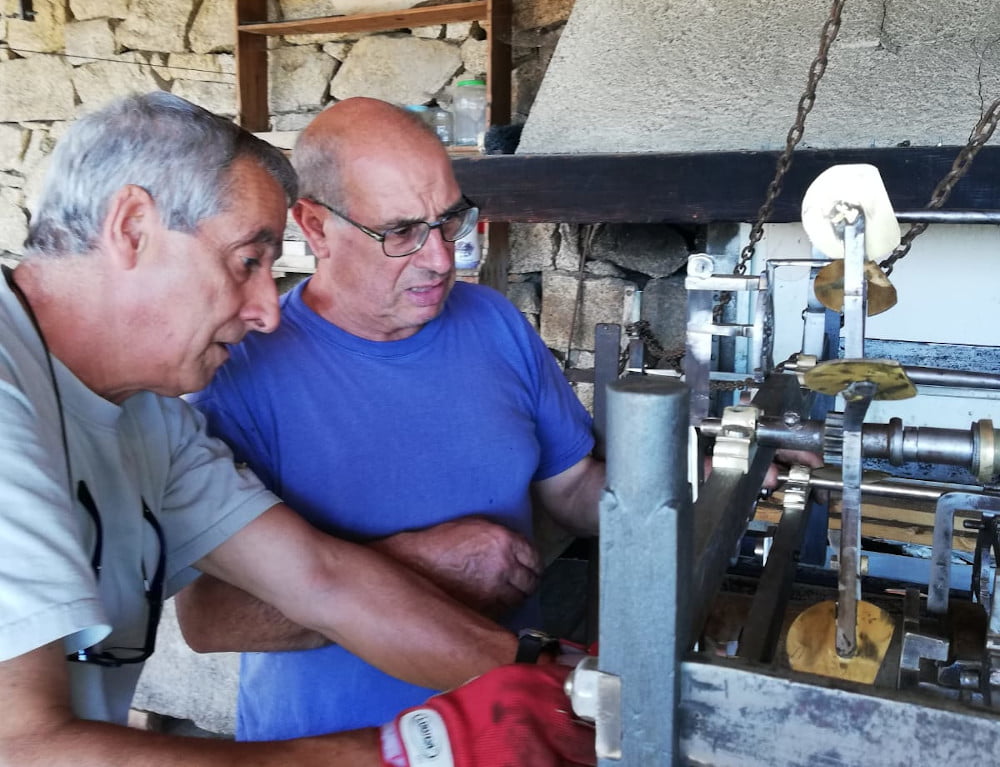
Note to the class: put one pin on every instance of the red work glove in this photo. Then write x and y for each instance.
(512, 716)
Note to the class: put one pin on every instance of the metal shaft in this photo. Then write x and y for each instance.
(857, 397)
(645, 548)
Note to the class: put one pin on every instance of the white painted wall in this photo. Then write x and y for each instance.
(694, 75)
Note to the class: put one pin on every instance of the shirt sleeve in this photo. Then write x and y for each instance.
(208, 496)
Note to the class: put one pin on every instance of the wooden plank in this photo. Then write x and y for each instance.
(252, 110)
(913, 523)
(371, 22)
(498, 63)
(702, 187)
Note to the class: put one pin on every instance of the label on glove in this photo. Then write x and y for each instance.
(424, 739)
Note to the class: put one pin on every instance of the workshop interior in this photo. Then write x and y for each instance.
(748, 607)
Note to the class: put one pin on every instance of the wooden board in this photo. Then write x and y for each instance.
(702, 187)
(885, 520)
(424, 16)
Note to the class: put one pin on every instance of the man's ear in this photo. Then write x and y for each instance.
(128, 223)
(310, 218)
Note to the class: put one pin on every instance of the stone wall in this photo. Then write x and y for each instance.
(77, 54)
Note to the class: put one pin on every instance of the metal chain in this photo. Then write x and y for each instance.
(816, 71)
(641, 330)
(980, 134)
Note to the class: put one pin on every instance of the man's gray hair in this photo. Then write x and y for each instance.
(178, 152)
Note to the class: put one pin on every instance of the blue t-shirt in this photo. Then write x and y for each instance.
(366, 439)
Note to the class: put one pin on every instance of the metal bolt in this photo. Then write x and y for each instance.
(791, 418)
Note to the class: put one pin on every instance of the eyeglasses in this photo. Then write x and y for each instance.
(119, 656)
(409, 238)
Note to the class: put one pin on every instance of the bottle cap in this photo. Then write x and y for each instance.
(470, 82)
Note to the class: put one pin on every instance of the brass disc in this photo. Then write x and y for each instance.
(833, 376)
(812, 645)
(829, 287)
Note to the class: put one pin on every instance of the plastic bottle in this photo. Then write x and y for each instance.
(470, 111)
(440, 121)
(468, 250)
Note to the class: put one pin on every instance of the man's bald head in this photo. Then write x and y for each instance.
(353, 131)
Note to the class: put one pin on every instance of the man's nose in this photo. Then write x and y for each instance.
(260, 309)
(436, 255)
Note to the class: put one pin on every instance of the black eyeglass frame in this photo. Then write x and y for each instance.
(153, 588)
(380, 237)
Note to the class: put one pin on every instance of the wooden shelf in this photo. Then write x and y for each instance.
(253, 28)
(372, 22)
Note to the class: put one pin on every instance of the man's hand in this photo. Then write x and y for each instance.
(482, 564)
(513, 715)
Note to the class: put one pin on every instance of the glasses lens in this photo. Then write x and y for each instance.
(405, 239)
(458, 224)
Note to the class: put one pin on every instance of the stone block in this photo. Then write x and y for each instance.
(36, 88)
(474, 56)
(13, 142)
(156, 25)
(213, 30)
(215, 97)
(402, 70)
(88, 40)
(293, 122)
(568, 253)
(319, 38)
(44, 34)
(299, 77)
(427, 33)
(83, 10)
(653, 249)
(308, 9)
(337, 51)
(100, 81)
(13, 226)
(541, 13)
(603, 299)
(603, 269)
(526, 77)
(524, 295)
(664, 306)
(180, 683)
(206, 67)
(532, 247)
(458, 30)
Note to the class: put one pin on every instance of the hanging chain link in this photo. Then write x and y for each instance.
(831, 27)
(980, 134)
(816, 71)
(652, 346)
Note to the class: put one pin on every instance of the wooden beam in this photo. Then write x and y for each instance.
(703, 187)
(251, 69)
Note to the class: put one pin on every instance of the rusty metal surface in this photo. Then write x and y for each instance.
(731, 716)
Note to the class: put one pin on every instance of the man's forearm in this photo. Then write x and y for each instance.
(80, 743)
(369, 604)
(215, 616)
(39, 729)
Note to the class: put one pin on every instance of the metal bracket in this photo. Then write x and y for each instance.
(736, 444)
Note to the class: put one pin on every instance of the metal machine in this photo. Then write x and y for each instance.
(829, 663)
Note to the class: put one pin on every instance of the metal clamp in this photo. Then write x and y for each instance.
(736, 443)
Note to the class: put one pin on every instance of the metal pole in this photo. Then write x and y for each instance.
(645, 548)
